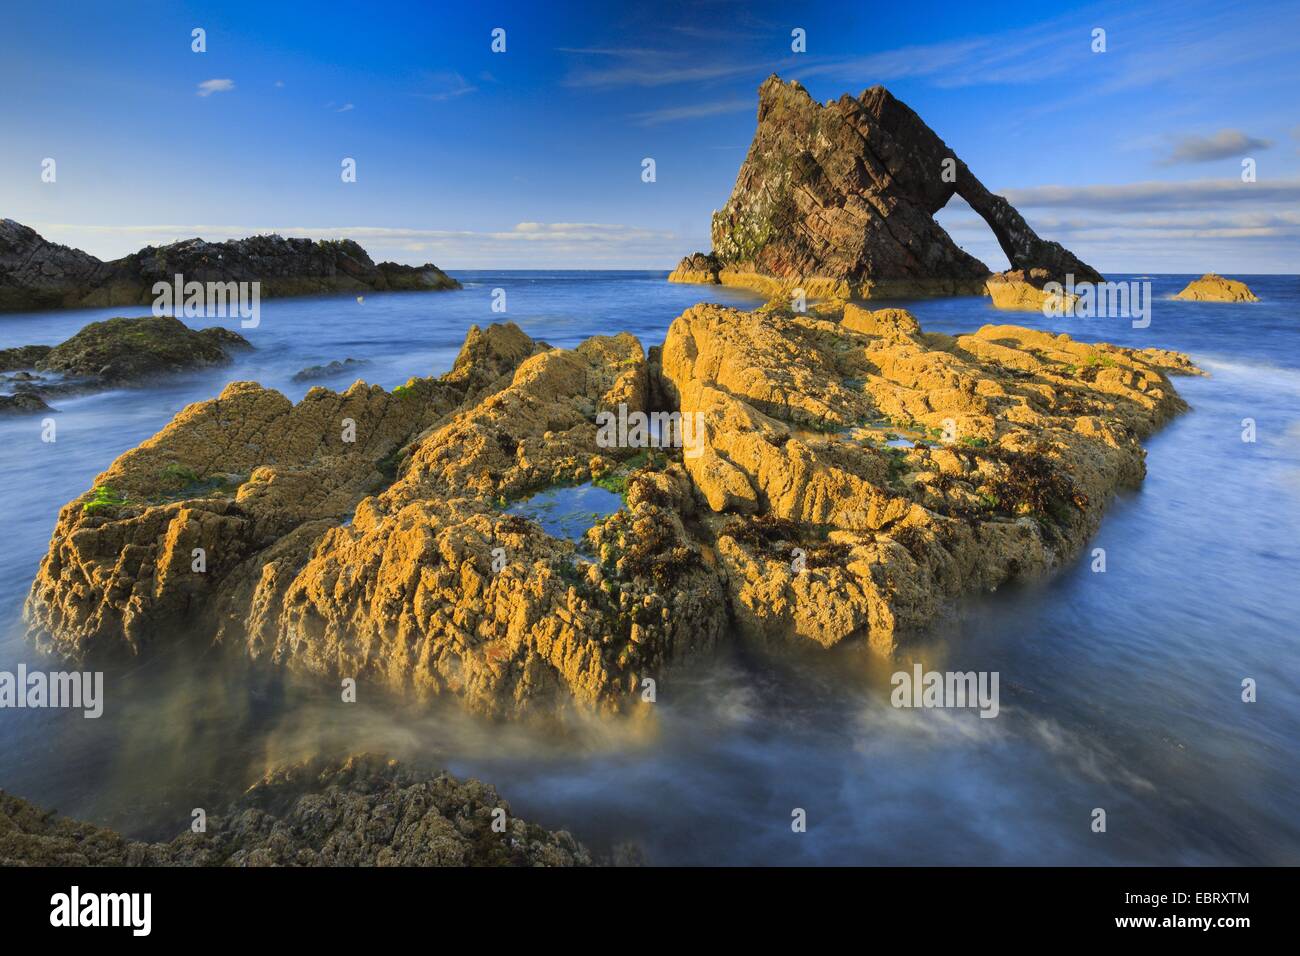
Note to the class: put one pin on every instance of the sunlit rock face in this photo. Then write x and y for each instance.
(844, 475)
(1215, 288)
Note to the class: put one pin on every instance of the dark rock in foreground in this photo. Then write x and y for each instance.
(365, 811)
(839, 200)
(36, 274)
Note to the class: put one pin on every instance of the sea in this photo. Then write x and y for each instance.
(1121, 691)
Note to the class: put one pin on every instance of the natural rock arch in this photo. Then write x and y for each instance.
(841, 198)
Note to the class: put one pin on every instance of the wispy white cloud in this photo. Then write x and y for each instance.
(345, 108)
(1158, 226)
(1224, 144)
(208, 87)
(647, 68)
(1145, 196)
(693, 111)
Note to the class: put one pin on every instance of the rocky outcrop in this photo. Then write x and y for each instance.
(839, 200)
(36, 274)
(376, 558)
(23, 403)
(865, 472)
(1020, 291)
(847, 476)
(1215, 288)
(129, 351)
(108, 354)
(363, 811)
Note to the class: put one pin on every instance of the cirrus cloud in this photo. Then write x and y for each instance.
(208, 87)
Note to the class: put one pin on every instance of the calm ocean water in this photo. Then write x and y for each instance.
(1119, 690)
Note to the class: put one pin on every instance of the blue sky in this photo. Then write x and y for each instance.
(532, 158)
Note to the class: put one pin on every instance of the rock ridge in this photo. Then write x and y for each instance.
(38, 274)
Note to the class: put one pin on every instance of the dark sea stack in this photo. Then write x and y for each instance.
(839, 200)
(36, 274)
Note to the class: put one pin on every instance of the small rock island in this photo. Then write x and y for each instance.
(1215, 288)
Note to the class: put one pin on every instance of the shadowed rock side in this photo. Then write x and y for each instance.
(1215, 288)
(36, 274)
(839, 200)
(375, 558)
(364, 811)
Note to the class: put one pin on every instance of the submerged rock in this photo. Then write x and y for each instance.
(839, 200)
(1215, 288)
(22, 403)
(36, 274)
(363, 811)
(315, 372)
(379, 549)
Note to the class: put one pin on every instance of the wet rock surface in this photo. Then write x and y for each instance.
(839, 200)
(37, 274)
(362, 811)
(332, 369)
